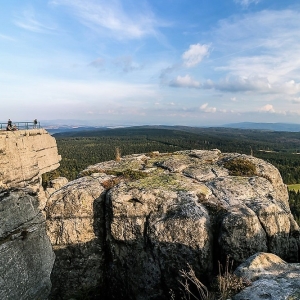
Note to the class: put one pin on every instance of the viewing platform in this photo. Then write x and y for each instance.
(20, 126)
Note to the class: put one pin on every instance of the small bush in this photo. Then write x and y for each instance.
(240, 167)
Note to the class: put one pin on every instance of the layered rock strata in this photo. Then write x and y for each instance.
(26, 256)
(150, 215)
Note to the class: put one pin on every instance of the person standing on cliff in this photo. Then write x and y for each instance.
(35, 123)
(9, 125)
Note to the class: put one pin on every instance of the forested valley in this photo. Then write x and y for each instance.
(83, 148)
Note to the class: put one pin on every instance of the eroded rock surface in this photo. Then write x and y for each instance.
(26, 256)
(75, 225)
(162, 211)
(271, 277)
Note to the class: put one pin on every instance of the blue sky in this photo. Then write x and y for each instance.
(176, 62)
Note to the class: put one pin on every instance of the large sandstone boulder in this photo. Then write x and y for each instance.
(271, 277)
(162, 211)
(24, 156)
(153, 233)
(75, 225)
(26, 256)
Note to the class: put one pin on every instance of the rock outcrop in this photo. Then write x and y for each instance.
(150, 215)
(26, 256)
(75, 225)
(271, 277)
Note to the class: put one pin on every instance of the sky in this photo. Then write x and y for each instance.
(146, 62)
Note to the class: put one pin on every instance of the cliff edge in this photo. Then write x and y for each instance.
(26, 256)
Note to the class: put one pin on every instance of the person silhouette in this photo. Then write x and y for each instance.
(9, 125)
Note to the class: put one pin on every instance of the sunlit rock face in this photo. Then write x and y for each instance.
(148, 215)
(24, 156)
(270, 277)
(26, 256)
(75, 225)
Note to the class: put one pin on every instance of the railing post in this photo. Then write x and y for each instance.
(21, 125)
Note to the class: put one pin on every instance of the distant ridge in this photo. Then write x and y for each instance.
(74, 129)
(58, 129)
(265, 126)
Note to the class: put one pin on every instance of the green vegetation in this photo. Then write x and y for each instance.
(240, 167)
(294, 200)
(294, 187)
(81, 149)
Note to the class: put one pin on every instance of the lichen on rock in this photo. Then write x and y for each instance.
(160, 212)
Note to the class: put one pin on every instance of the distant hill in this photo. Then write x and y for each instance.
(265, 126)
(72, 129)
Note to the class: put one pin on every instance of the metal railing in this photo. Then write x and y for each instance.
(21, 125)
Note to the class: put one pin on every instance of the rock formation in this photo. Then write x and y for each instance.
(126, 228)
(271, 277)
(75, 225)
(26, 256)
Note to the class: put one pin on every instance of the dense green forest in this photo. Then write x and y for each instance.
(294, 199)
(83, 148)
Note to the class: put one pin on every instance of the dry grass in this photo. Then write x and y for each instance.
(193, 288)
(226, 285)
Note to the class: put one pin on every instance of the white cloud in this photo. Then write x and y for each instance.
(111, 15)
(246, 3)
(205, 108)
(185, 81)
(28, 21)
(267, 108)
(195, 54)
(244, 84)
(5, 37)
(260, 52)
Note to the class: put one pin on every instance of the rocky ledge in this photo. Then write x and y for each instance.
(26, 256)
(126, 228)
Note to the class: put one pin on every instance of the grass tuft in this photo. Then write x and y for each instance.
(240, 167)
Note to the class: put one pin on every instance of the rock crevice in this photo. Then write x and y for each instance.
(160, 212)
(26, 256)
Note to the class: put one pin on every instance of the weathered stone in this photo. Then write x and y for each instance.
(24, 156)
(26, 256)
(271, 277)
(75, 225)
(241, 233)
(26, 260)
(167, 211)
(153, 234)
(58, 183)
(258, 195)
